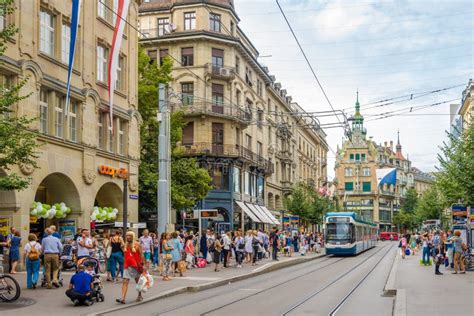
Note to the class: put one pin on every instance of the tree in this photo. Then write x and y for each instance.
(430, 205)
(189, 183)
(17, 143)
(410, 201)
(455, 178)
(306, 203)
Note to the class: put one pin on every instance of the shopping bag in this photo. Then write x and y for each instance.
(181, 266)
(209, 257)
(407, 252)
(446, 262)
(145, 282)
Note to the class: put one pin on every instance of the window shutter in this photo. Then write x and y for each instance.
(217, 52)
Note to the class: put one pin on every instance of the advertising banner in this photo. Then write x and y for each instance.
(67, 229)
(4, 226)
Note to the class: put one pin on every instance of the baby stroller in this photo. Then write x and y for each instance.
(88, 261)
(66, 257)
(44, 281)
(97, 285)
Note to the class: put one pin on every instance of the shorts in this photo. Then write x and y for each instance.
(131, 273)
(147, 256)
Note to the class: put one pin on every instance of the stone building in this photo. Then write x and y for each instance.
(356, 165)
(466, 111)
(81, 162)
(242, 124)
(423, 180)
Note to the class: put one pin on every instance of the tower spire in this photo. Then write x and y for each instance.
(357, 105)
(399, 146)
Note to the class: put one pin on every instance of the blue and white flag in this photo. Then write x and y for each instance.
(386, 176)
(76, 8)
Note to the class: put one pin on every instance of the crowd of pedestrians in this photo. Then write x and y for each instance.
(442, 249)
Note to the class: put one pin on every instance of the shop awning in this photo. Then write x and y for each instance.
(270, 215)
(248, 211)
(260, 213)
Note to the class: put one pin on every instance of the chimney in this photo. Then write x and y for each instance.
(391, 145)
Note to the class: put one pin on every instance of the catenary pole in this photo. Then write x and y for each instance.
(163, 198)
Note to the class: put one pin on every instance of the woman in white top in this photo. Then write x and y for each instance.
(248, 245)
(32, 261)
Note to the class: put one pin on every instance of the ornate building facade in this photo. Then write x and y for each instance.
(242, 124)
(356, 165)
(81, 163)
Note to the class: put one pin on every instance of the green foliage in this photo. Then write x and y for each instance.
(305, 202)
(189, 183)
(430, 205)
(411, 200)
(455, 178)
(405, 219)
(17, 144)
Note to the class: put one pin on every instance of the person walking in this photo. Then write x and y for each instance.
(458, 261)
(226, 247)
(426, 250)
(156, 252)
(14, 243)
(189, 251)
(52, 249)
(108, 252)
(216, 249)
(239, 249)
(248, 246)
(255, 247)
(403, 245)
(440, 255)
(116, 257)
(450, 249)
(146, 242)
(175, 252)
(274, 241)
(133, 265)
(32, 261)
(167, 257)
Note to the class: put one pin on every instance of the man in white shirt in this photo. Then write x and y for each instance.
(146, 242)
(84, 244)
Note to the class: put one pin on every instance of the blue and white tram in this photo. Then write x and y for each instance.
(348, 234)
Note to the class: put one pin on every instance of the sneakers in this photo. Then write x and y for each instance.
(76, 302)
(88, 302)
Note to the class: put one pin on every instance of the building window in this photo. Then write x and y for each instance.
(163, 54)
(217, 98)
(248, 141)
(362, 157)
(102, 63)
(189, 21)
(357, 157)
(215, 22)
(247, 182)
(259, 87)
(152, 55)
(43, 111)
(237, 65)
(260, 118)
(366, 172)
(259, 149)
(119, 81)
(187, 90)
(248, 76)
(101, 9)
(217, 58)
(236, 179)
(101, 131)
(366, 186)
(348, 172)
(351, 157)
(349, 186)
(121, 136)
(3, 19)
(73, 113)
(188, 134)
(238, 96)
(65, 42)
(187, 56)
(163, 26)
(59, 116)
(232, 28)
(46, 33)
(111, 140)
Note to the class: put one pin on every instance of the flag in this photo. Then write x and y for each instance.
(120, 20)
(386, 176)
(76, 10)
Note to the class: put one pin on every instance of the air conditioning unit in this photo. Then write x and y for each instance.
(173, 27)
(224, 72)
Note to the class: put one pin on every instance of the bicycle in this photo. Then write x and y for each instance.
(9, 287)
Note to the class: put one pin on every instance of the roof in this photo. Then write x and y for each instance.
(168, 4)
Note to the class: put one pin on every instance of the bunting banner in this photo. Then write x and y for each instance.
(120, 20)
(76, 10)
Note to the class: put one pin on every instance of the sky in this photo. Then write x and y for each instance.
(384, 49)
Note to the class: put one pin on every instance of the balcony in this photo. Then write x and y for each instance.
(232, 151)
(227, 111)
(355, 192)
(284, 155)
(219, 72)
(286, 186)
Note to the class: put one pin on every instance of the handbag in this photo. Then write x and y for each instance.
(168, 256)
(181, 266)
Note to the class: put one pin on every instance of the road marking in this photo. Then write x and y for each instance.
(250, 289)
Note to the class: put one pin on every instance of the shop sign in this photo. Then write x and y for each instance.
(133, 197)
(4, 226)
(113, 172)
(33, 219)
(67, 229)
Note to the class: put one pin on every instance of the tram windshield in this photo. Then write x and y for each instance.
(341, 232)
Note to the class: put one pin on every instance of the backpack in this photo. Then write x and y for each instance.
(33, 255)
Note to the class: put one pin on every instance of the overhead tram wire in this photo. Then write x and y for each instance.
(345, 128)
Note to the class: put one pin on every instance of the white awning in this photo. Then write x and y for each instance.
(269, 214)
(248, 211)
(260, 213)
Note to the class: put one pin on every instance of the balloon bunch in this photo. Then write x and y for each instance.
(103, 213)
(58, 210)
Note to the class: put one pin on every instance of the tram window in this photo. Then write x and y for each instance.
(342, 232)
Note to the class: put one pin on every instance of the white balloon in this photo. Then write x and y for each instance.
(93, 217)
(39, 207)
(62, 204)
(38, 204)
(34, 212)
(52, 212)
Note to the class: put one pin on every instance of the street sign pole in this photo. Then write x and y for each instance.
(163, 195)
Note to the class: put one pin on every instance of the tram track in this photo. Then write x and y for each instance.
(339, 305)
(349, 294)
(264, 290)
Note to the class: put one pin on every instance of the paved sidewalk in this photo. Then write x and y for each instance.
(46, 302)
(430, 294)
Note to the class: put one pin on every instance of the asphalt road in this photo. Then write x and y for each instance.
(327, 286)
